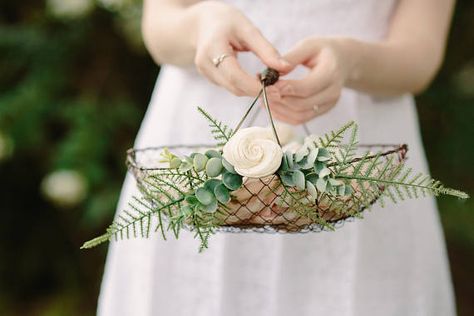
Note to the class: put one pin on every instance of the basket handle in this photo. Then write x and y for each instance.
(268, 77)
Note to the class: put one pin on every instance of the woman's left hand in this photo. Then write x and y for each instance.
(299, 101)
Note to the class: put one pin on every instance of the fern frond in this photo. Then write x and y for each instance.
(221, 132)
(395, 182)
(347, 153)
(128, 223)
(334, 138)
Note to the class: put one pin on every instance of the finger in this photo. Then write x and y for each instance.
(330, 95)
(318, 79)
(228, 73)
(253, 39)
(232, 75)
(303, 53)
(296, 118)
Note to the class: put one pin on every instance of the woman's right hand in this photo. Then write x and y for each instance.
(222, 29)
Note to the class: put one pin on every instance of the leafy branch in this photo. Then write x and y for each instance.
(221, 132)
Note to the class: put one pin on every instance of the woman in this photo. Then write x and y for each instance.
(364, 59)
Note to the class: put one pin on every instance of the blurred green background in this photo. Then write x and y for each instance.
(75, 81)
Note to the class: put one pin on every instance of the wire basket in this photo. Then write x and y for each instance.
(264, 204)
(328, 181)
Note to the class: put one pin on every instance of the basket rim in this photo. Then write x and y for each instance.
(130, 160)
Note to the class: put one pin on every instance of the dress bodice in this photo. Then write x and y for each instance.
(285, 22)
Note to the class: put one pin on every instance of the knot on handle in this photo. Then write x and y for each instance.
(269, 76)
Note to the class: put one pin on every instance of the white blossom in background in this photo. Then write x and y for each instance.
(464, 80)
(70, 8)
(6, 147)
(65, 188)
(115, 4)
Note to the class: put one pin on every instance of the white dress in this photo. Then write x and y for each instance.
(391, 263)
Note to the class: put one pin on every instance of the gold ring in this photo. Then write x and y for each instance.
(218, 60)
(316, 108)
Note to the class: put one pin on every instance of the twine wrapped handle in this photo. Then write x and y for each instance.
(268, 77)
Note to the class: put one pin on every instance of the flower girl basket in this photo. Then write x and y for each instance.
(327, 181)
(262, 204)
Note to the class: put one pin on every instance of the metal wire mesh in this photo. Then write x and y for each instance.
(264, 204)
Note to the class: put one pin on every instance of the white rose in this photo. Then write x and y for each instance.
(253, 152)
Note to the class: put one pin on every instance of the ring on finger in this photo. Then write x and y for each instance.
(219, 59)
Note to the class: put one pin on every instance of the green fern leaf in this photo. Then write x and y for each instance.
(221, 132)
(334, 138)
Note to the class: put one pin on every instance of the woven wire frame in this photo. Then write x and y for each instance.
(264, 205)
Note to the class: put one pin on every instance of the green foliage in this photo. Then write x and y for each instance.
(334, 138)
(220, 131)
(190, 190)
(307, 169)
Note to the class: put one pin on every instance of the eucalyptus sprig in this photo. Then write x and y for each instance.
(307, 169)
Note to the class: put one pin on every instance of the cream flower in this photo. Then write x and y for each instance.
(253, 152)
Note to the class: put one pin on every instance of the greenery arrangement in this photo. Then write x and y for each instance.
(322, 182)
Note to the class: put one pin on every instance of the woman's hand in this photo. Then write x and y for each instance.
(183, 32)
(222, 29)
(299, 101)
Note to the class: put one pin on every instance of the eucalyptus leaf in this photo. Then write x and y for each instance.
(228, 166)
(311, 190)
(284, 162)
(318, 166)
(312, 177)
(232, 181)
(211, 184)
(335, 182)
(211, 153)
(340, 190)
(324, 155)
(222, 193)
(311, 158)
(191, 199)
(298, 179)
(324, 173)
(321, 184)
(287, 178)
(214, 167)
(204, 196)
(289, 156)
(199, 162)
(301, 153)
(348, 190)
(211, 207)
